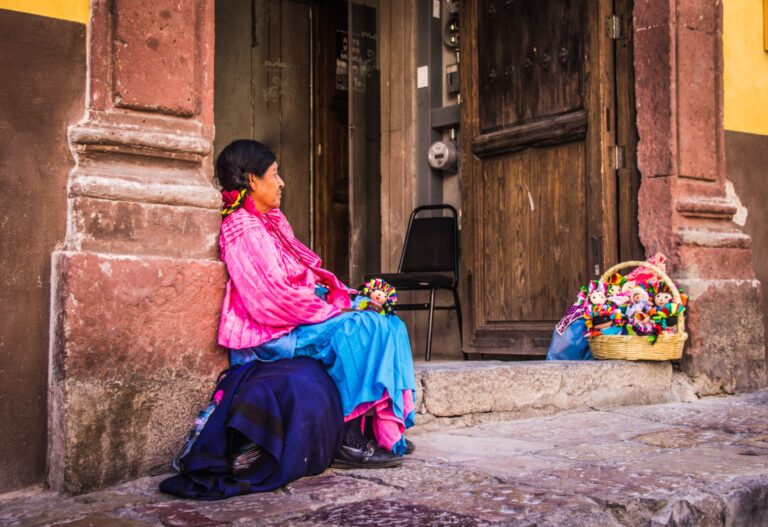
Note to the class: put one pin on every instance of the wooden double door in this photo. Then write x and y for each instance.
(283, 77)
(548, 177)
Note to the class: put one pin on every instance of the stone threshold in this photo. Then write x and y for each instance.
(466, 393)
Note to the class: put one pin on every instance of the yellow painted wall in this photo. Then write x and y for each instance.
(746, 66)
(72, 10)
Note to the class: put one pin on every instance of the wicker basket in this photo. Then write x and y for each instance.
(668, 346)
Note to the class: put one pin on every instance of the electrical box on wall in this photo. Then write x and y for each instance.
(438, 99)
(452, 78)
(444, 155)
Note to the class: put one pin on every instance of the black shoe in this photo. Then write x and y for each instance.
(409, 447)
(369, 457)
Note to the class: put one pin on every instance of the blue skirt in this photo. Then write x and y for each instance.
(365, 353)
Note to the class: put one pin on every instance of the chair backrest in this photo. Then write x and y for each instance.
(431, 243)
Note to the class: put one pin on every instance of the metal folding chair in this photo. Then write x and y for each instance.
(429, 261)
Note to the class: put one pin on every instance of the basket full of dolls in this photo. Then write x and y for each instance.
(637, 316)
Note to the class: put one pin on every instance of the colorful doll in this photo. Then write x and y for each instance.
(599, 313)
(615, 293)
(596, 293)
(666, 295)
(628, 286)
(603, 319)
(614, 284)
(641, 323)
(661, 295)
(665, 319)
(638, 302)
(382, 297)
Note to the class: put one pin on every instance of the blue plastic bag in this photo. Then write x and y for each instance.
(572, 344)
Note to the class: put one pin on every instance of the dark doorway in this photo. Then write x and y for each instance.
(282, 76)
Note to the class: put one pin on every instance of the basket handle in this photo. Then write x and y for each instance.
(658, 272)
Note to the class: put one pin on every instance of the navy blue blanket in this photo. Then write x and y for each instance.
(291, 408)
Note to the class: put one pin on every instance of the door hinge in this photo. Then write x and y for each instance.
(617, 157)
(615, 27)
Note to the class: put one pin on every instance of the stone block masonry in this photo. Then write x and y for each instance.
(135, 356)
(468, 393)
(683, 208)
(137, 286)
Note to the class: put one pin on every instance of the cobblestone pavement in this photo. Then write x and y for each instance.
(699, 464)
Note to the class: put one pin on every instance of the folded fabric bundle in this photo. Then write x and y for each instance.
(289, 409)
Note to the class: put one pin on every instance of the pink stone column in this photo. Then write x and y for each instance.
(137, 286)
(683, 211)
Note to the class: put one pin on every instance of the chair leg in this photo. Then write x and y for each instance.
(457, 305)
(428, 354)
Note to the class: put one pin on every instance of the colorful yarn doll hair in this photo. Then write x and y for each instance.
(600, 317)
(666, 317)
(665, 290)
(597, 292)
(614, 284)
(378, 285)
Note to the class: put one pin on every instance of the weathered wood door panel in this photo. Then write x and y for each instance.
(347, 134)
(539, 196)
(263, 75)
(282, 77)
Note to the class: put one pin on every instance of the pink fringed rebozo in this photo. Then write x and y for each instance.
(271, 282)
(387, 427)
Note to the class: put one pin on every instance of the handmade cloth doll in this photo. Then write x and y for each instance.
(596, 294)
(603, 319)
(663, 296)
(665, 318)
(641, 323)
(381, 297)
(615, 292)
(614, 284)
(638, 302)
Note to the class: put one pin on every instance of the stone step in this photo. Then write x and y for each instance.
(464, 393)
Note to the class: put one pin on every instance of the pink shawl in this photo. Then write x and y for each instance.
(272, 277)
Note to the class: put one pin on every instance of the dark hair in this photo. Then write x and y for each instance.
(240, 158)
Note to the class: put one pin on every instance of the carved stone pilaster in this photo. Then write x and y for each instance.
(683, 209)
(137, 288)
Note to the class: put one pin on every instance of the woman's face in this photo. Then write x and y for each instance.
(266, 191)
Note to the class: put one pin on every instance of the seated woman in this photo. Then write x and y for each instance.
(281, 304)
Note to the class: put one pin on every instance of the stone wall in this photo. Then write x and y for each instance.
(137, 286)
(683, 208)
